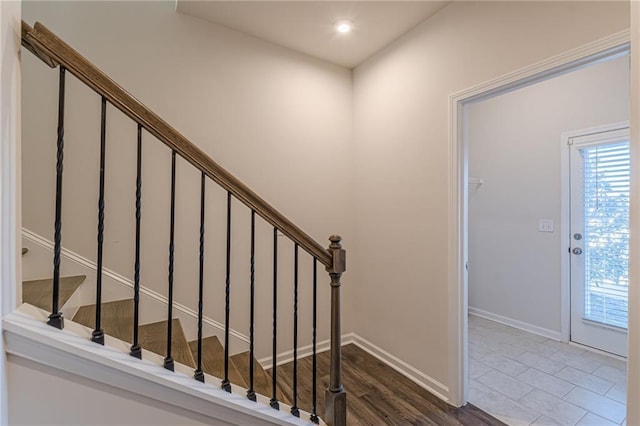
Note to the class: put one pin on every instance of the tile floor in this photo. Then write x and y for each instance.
(525, 379)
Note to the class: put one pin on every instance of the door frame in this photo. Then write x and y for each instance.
(565, 219)
(607, 48)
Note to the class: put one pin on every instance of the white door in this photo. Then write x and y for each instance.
(599, 251)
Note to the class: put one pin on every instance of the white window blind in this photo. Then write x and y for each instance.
(606, 233)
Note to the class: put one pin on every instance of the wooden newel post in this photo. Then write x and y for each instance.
(336, 397)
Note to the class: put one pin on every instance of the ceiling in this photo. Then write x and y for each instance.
(307, 26)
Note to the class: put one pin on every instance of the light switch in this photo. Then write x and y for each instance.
(545, 225)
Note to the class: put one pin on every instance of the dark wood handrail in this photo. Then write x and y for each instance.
(54, 51)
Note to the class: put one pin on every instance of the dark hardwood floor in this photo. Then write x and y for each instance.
(377, 394)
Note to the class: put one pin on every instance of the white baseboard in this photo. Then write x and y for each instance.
(37, 265)
(418, 377)
(541, 331)
(303, 352)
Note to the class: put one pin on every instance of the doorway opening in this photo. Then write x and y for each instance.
(519, 367)
(465, 183)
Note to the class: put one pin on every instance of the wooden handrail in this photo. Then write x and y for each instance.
(54, 51)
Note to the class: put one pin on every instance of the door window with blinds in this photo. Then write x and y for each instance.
(606, 232)
(599, 215)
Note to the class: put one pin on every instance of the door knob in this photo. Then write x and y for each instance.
(577, 236)
(577, 250)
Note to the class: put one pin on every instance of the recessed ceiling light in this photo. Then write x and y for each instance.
(343, 26)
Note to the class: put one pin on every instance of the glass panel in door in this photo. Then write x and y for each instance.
(600, 240)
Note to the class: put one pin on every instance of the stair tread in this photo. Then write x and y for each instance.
(117, 321)
(117, 318)
(153, 337)
(39, 293)
(213, 360)
(261, 379)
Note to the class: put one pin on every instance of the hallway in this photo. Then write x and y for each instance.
(526, 379)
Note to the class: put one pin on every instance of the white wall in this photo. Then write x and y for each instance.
(60, 398)
(398, 246)
(514, 146)
(401, 136)
(278, 120)
(10, 220)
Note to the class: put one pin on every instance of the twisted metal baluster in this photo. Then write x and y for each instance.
(226, 384)
(294, 407)
(56, 319)
(274, 369)
(314, 397)
(98, 333)
(199, 374)
(168, 360)
(251, 394)
(136, 351)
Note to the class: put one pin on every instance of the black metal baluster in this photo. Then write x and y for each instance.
(226, 385)
(274, 369)
(56, 319)
(314, 415)
(294, 407)
(136, 351)
(98, 333)
(168, 360)
(198, 374)
(251, 394)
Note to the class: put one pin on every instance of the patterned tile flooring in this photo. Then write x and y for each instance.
(525, 379)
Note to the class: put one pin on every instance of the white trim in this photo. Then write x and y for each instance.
(10, 175)
(610, 47)
(10, 153)
(565, 241)
(565, 220)
(604, 49)
(598, 351)
(540, 331)
(418, 377)
(70, 350)
(594, 135)
(303, 352)
(70, 256)
(633, 364)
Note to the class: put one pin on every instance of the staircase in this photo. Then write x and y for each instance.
(153, 338)
(118, 320)
(121, 319)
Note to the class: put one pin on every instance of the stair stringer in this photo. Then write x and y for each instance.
(70, 350)
(37, 264)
